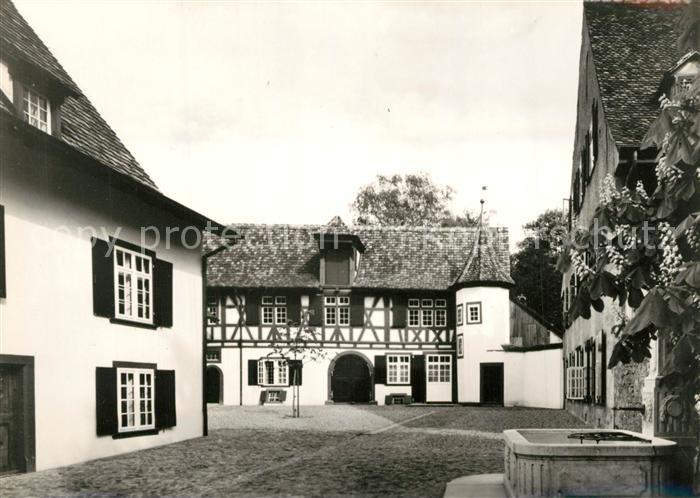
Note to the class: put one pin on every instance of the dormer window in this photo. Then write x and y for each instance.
(36, 110)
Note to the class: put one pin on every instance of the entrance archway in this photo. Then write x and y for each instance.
(215, 385)
(351, 379)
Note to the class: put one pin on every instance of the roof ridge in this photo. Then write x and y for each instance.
(501, 229)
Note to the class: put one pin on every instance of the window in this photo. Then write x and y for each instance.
(575, 388)
(427, 312)
(440, 317)
(439, 368)
(274, 397)
(460, 317)
(212, 310)
(473, 313)
(134, 284)
(214, 355)
(274, 310)
(36, 110)
(398, 368)
(273, 372)
(337, 310)
(135, 393)
(460, 346)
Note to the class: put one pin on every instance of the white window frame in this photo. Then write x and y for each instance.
(441, 317)
(212, 310)
(422, 313)
(460, 314)
(273, 310)
(135, 275)
(414, 317)
(469, 308)
(439, 368)
(135, 409)
(398, 369)
(441, 303)
(27, 104)
(336, 311)
(280, 372)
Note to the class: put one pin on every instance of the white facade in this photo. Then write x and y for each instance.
(51, 212)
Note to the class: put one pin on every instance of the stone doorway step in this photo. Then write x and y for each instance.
(478, 486)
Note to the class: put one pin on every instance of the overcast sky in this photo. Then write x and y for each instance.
(280, 112)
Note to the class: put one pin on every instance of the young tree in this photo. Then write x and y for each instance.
(642, 250)
(409, 200)
(299, 347)
(534, 265)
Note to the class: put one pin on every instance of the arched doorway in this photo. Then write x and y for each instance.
(215, 385)
(351, 379)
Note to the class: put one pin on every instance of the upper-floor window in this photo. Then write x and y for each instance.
(336, 310)
(212, 310)
(134, 285)
(274, 310)
(398, 368)
(135, 399)
(427, 312)
(337, 266)
(36, 110)
(473, 313)
(273, 372)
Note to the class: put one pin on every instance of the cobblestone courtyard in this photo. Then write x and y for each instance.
(331, 450)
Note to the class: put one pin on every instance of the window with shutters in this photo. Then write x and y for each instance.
(336, 310)
(274, 397)
(473, 313)
(274, 310)
(133, 279)
(212, 310)
(273, 372)
(135, 396)
(398, 368)
(439, 368)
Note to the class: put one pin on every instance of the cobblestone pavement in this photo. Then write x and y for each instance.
(330, 451)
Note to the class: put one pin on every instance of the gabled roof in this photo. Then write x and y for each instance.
(483, 264)
(633, 45)
(410, 258)
(82, 127)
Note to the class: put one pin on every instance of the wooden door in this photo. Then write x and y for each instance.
(492, 384)
(11, 423)
(351, 381)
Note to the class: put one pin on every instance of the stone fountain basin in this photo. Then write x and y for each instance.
(545, 462)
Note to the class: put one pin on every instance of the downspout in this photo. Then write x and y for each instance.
(205, 258)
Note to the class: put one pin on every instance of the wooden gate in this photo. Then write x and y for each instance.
(11, 420)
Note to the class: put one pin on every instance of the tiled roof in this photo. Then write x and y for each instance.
(82, 127)
(633, 45)
(394, 258)
(484, 264)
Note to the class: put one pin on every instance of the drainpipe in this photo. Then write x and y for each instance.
(205, 258)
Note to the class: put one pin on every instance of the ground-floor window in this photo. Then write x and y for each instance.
(273, 372)
(439, 368)
(575, 375)
(135, 397)
(398, 368)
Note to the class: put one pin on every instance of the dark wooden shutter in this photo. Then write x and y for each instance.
(399, 311)
(106, 401)
(102, 279)
(295, 369)
(316, 308)
(283, 396)
(163, 293)
(166, 416)
(380, 369)
(252, 372)
(252, 309)
(3, 281)
(357, 310)
(418, 378)
(294, 308)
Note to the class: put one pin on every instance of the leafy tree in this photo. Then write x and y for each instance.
(534, 265)
(641, 249)
(408, 200)
(298, 347)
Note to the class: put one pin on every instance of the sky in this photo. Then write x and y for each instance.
(272, 112)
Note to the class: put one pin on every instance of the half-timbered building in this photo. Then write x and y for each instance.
(628, 59)
(403, 315)
(101, 338)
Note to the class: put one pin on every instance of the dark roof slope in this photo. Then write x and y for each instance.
(484, 264)
(633, 45)
(82, 127)
(394, 258)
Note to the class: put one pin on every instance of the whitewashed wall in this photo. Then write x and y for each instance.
(48, 312)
